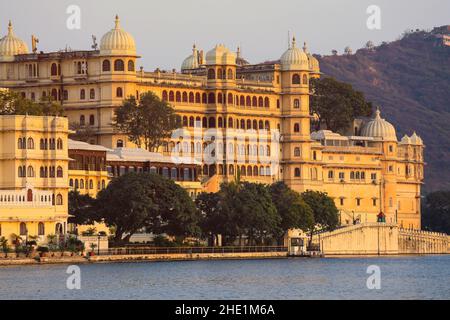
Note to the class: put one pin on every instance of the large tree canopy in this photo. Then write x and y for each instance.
(436, 212)
(148, 122)
(324, 211)
(147, 201)
(337, 104)
(82, 209)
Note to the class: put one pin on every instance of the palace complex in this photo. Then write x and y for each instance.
(236, 116)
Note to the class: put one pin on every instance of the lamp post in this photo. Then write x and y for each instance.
(98, 244)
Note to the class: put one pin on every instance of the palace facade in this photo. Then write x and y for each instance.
(236, 117)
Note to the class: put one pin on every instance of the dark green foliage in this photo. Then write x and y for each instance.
(410, 80)
(436, 212)
(148, 122)
(81, 208)
(337, 103)
(11, 103)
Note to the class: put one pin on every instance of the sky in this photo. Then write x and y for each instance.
(165, 30)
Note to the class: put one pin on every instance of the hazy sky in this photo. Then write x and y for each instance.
(165, 30)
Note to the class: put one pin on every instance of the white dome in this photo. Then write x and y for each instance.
(379, 128)
(313, 63)
(117, 42)
(191, 62)
(415, 139)
(294, 59)
(220, 55)
(10, 45)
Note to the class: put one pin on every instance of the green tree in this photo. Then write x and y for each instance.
(82, 132)
(212, 218)
(337, 104)
(147, 201)
(324, 211)
(436, 212)
(12, 103)
(148, 122)
(295, 213)
(82, 209)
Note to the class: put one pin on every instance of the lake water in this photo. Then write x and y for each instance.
(418, 277)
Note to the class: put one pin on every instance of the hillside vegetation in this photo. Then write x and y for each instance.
(410, 80)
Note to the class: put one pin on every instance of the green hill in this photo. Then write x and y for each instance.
(410, 80)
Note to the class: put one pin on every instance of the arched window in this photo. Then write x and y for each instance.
(23, 229)
(254, 102)
(54, 69)
(59, 144)
(296, 103)
(119, 65)
(297, 152)
(82, 94)
(211, 74)
(92, 94)
(185, 121)
(230, 98)
(296, 127)
(248, 101)
(197, 97)
(191, 97)
(106, 66)
(91, 120)
(41, 229)
(58, 229)
(191, 122)
(212, 122)
(30, 171)
(82, 120)
(266, 102)
(185, 97)
(20, 172)
(54, 94)
(178, 96)
(260, 102)
(242, 101)
(230, 74)
(30, 143)
(204, 122)
(59, 172)
(130, 65)
(305, 79)
(164, 96)
(230, 122)
(295, 79)
(19, 144)
(119, 143)
(219, 74)
(204, 98)
(219, 98)
(119, 92)
(297, 172)
(212, 98)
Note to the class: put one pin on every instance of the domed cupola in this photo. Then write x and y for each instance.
(220, 55)
(405, 140)
(379, 128)
(294, 58)
(10, 45)
(117, 42)
(415, 139)
(191, 62)
(313, 63)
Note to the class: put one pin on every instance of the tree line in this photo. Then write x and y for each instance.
(147, 202)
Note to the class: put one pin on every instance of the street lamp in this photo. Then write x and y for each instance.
(98, 244)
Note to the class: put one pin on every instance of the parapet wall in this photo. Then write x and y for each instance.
(381, 239)
(422, 242)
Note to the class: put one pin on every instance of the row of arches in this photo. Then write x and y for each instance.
(58, 200)
(222, 122)
(221, 74)
(297, 79)
(44, 172)
(83, 120)
(232, 148)
(86, 184)
(246, 171)
(44, 144)
(119, 65)
(23, 229)
(222, 98)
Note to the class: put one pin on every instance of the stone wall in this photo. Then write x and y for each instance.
(360, 239)
(422, 242)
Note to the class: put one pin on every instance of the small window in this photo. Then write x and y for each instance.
(41, 229)
(358, 202)
(91, 120)
(82, 94)
(297, 172)
(295, 79)
(119, 144)
(374, 202)
(119, 65)
(341, 201)
(297, 152)
(106, 66)
(92, 94)
(296, 127)
(296, 104)
(82, 120)
(119, 92)
(131, 65)
(331, 174)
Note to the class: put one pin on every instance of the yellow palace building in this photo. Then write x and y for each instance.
(236, 116)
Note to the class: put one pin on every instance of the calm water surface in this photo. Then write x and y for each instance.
(417, 277)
